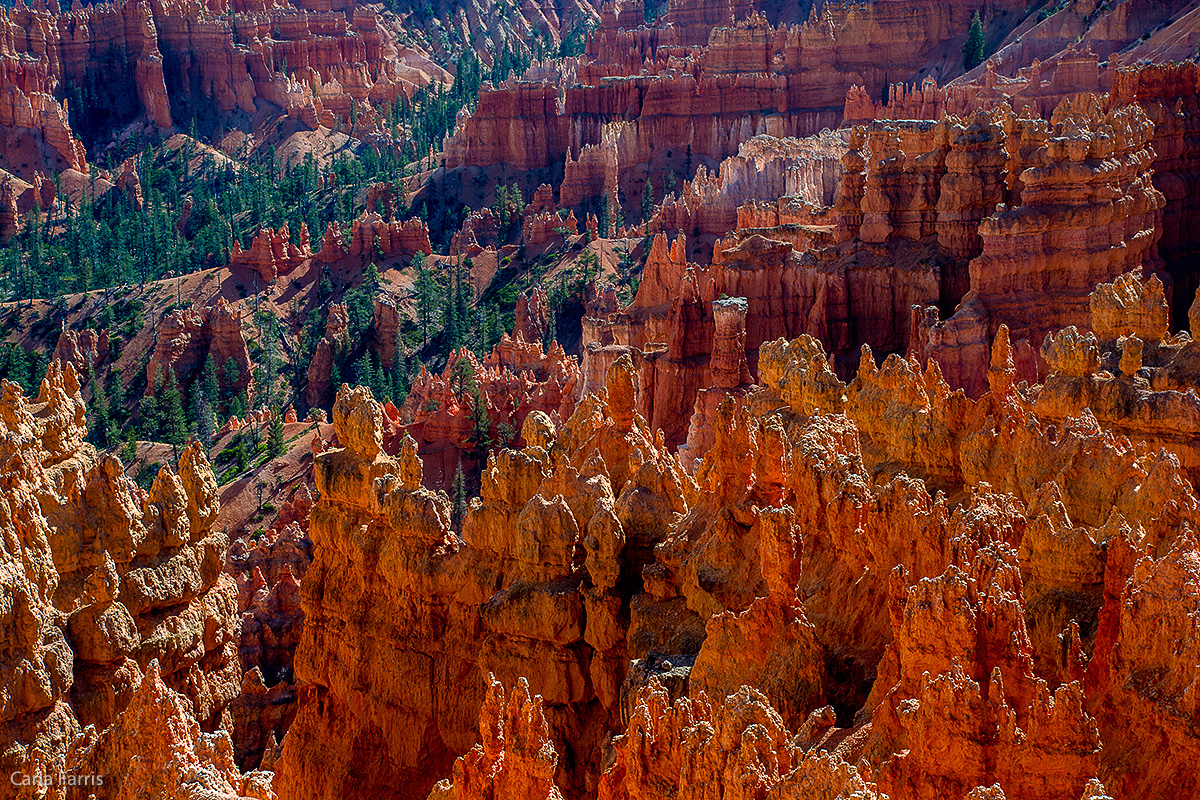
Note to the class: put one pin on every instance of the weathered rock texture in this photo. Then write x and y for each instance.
(1088, 212)
(516, 378)
(880, 587)
(728, 553)
(508, 598)
(269, 570)
(333, 345)
(748, 559)
(107, 583)
(516, 758)
(155, 748)
(187, 338)
(706, 80)
(1129, 372)
(913, 222)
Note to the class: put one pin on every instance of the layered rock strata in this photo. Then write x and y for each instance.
(881, 588)
(155, 63)
(269, 571)
(791, 79)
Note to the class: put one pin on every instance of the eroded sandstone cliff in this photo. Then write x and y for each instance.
(119, 614)
(933, 592)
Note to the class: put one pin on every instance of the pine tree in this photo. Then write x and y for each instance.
(427, 296)
(206, 424)
(364, 373)
(505, 433)
(603, 222)
(239, 454)
(589, 264)
(377, 378)
(459, 508)
(233, 375)
(490, 333)
(210, 390)
(101, 427)
(149, 409)
(238, 406)
(400, 379)
(972, 51)
(116, 396)
(481, 421)
(371, 279)
(462, 376)
(275, 436)
(173, 423)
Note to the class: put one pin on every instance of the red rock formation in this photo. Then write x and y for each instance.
(30, 108)
(805, 566)
(320, 66)
(1168, 94)
(516, 758)
(541, 227)
(110, 581)
(522, 603)
(1130, 306)
(269, 571)
(331, 246)
(531, 316)
(129, 183)
(516, 379)
(187, 338)
(1036, 251)
(387, 331)
(1036, 88)
(795, 177)
(671, 319)
(1134, 378)
(83, 350)
(371, 237)
(974, 692)
(965, 594)
(790, 80)
(156, 747)
(332, 345)
(479, 230)
(729, 375)
(738, 746)
(921, 195)
(1151, 678)
(272, 253)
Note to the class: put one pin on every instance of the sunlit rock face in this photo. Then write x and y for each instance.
(118, 603)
